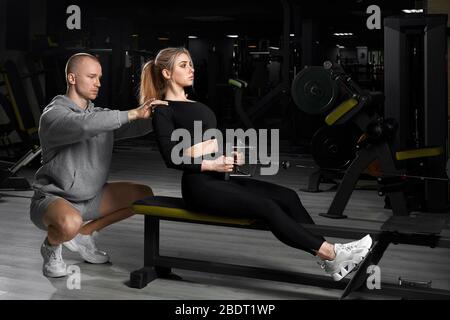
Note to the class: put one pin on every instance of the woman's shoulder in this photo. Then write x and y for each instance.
(163, 110)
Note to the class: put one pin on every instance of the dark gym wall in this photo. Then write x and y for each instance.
(17, 25)
(199, 52)
(20, 21)
(38, 18)
(24, 19)
(2, 26)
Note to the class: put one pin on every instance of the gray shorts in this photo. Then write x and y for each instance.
(89, 209)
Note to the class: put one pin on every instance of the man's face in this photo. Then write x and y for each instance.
(86, 78)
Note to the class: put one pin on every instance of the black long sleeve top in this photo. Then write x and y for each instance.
(180, 114)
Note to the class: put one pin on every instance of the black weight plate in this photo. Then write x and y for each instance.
(334, 147)
(313, 90)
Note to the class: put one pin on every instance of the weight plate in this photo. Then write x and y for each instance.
(313, 90)
(334, 147)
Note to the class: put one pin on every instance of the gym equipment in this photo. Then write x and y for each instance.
(8, 170)
(7, 128)
(17, 108)
(238, 86)
(159, 208)
(415, 63)
(376, 172)
(381, 129)
(332, 148)
(36, 70)
(335, 146)
(360, 108)
(248, 115)
(314, 91)
(18, 98)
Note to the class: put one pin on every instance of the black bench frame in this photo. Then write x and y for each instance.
(157, 266)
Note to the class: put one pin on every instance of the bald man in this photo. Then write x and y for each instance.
(71, 186)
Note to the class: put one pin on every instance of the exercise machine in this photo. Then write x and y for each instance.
(248, 115)
(8, 172)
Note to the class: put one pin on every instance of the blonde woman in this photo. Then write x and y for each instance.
(203, 186)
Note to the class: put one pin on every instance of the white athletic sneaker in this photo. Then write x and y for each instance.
(348, 257)
(85, 246)
(54, 266)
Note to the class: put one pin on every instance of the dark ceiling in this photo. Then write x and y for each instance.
(250, 18)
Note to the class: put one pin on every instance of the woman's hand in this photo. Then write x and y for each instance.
(202, 148)
(145, 111)
(221, 164)
(239, 158)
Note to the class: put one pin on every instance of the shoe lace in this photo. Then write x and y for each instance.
(55, 256)
(349, 246)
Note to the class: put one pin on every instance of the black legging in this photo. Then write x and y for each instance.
(241, 197)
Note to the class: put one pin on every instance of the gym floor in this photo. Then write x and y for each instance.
(20, 260)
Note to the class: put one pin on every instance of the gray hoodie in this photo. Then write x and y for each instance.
(77, 147)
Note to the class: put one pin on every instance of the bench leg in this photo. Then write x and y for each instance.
(166, 273)
(140, 278)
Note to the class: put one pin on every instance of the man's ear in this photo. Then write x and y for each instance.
(166, 74)
(71, 78)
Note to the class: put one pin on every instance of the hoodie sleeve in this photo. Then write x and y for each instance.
(62, 126)
(133, 129)
(164, 126)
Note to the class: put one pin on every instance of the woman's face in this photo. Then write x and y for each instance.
(183, 71)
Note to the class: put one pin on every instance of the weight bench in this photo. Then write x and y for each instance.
(155, 266)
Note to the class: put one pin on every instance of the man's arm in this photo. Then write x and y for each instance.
(134, 129)
(61, 126)
(140, 121)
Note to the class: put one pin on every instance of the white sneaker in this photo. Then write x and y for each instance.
(85, 246)
(54, 266)
(348, 257)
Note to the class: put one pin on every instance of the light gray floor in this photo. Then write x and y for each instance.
(21, 263)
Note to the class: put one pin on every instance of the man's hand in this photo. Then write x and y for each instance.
(145, 110)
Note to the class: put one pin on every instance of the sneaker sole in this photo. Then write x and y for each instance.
(74, 248)
(54, 275)
(90, 259)
(351, 265)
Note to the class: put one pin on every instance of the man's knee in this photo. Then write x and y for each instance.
(69, 225)
(142, 191)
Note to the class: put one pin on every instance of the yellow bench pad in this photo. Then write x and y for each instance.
(174, 208)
